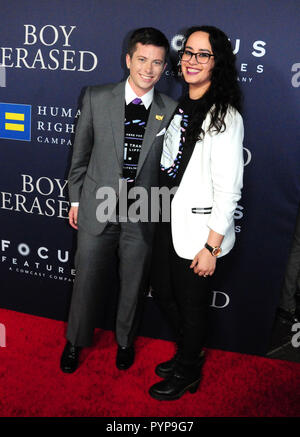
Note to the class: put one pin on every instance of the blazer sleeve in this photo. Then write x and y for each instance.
(227, 166)
(82, 149)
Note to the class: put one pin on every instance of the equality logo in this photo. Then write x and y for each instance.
(15, 121)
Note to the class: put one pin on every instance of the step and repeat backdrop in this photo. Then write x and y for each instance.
(49, 53)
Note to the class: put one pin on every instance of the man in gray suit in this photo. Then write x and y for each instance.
(118, 138)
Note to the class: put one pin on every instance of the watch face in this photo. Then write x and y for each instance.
(216, 251)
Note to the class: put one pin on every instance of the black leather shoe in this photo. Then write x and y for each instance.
(186, 376)
(70, 358)
(125, 357)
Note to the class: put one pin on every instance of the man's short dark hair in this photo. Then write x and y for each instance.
(147, 36)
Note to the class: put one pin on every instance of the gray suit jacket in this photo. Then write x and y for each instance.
(97, 159)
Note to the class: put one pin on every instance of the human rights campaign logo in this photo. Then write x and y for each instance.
(15, 121)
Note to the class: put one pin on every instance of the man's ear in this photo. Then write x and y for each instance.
(128, 60)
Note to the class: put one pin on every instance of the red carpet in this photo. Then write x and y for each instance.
(32, 385)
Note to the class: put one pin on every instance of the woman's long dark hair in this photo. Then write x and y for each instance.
(224, 90)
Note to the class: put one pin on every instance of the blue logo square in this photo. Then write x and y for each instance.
(15, 121)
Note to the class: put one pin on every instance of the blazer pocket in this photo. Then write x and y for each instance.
(206, 210)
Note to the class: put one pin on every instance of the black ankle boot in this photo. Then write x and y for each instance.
(185, 377)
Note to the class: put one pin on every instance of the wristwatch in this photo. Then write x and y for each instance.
(215, 251)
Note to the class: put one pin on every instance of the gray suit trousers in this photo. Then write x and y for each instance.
(122, 250)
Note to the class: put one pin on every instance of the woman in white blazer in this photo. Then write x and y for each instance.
(203, 159)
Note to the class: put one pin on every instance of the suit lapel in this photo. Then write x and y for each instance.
(155, 119)
(117, 115)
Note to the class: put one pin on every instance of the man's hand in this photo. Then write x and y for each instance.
(204, 263)
(73, 214)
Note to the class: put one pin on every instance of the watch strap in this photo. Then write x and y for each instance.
(213, 249)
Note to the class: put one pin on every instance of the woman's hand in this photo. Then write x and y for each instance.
(204, 264)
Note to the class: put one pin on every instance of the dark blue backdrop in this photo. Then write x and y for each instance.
(50, 51)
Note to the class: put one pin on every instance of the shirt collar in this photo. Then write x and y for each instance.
(130, 95)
